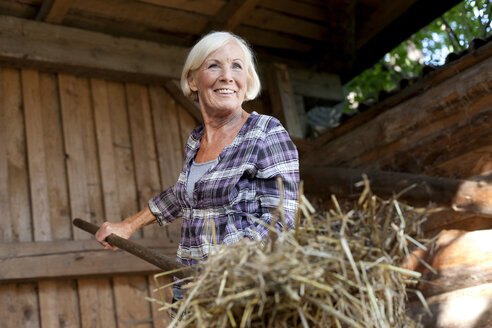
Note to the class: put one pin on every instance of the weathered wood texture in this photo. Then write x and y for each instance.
(86, 147)
(25, 43)
(467, 307)
(441, 127)
(471, 196)
(461, 260)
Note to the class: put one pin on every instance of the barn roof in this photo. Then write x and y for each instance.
(339, 36)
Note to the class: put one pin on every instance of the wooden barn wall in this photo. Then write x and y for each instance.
(444, 130)
(88, 148)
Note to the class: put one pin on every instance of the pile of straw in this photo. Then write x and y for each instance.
(336, 269)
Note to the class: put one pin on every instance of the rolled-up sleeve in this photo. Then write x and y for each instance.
(165, 206)
(277, 158)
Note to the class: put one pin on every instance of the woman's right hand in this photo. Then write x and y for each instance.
(125, 228)
(122, 229)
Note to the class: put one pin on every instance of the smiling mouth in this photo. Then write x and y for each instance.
(224, 91)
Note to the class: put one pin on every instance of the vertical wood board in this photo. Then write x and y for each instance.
(20, 305)
(55, 158)
(74, 150)
(144, 151)
(105, 148)
(36, 155)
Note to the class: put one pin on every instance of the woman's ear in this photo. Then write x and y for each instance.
(191, 82)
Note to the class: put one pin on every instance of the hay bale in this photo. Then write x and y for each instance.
(336, 269)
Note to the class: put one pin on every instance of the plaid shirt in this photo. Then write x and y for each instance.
(237, 192)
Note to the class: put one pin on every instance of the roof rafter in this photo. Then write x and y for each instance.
(53, 11)
(231, 15)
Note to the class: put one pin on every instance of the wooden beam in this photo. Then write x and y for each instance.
(31, 44)
(72, 259)
(412, 91)
(473, 196)
(386, 12)
(231, 15)
(450, 111)
(172, 86)
(468, 307)
(282, 99)
(53, 11)
(460, 259)
(371, 49)
(317, 85)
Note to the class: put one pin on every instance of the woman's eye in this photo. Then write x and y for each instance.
(212, 65)
(236, 65)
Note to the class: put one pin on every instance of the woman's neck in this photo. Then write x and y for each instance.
(218, 134)
(220, 127)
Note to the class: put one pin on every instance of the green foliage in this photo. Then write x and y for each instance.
(452, 32)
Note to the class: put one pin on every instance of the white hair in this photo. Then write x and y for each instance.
(210, 43)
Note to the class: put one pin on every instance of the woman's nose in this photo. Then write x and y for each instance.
(226, 74)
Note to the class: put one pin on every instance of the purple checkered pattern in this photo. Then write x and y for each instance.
(238, 193)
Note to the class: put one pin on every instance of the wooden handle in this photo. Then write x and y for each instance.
(160, 260)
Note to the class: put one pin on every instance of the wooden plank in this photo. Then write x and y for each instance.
(144, 151)
(174, 89)
(271, 39)
(271, 20)
(59, 247)
(414, 123)
(125, 29)
(55, 158)
(82, 260)
(64, 49)
(138, 13)
(90, 152)
(58, 304)
(18, 184)
(231, 15)
(299, 9)
(125, 289)
(161, 318)
(209, 7)
(20, 306)
(107, 161)
(168, 143)
(36, 155)
(317, 85)
(459, 195)
(73, 128)
(125, 172)
(412, 91)
(5, 224)
(380, 18)
(109, 103)
(282, 99)
(468, 307)
(20, 300)
(19, 9)
(91, 291)
(449, 219)
(131, 307)
(186, 125)
(53, 11)
(461, 259)
(170, 150)
(65, 311)
(476, 161)
(96, 303)
(470, 133)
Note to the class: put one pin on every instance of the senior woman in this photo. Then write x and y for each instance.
(232, 161)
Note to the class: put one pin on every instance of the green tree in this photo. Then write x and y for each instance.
(452, 32)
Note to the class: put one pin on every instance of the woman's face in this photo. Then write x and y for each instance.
(221, 80)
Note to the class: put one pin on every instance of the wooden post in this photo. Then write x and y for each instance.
(460, 195)
(282, 99)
